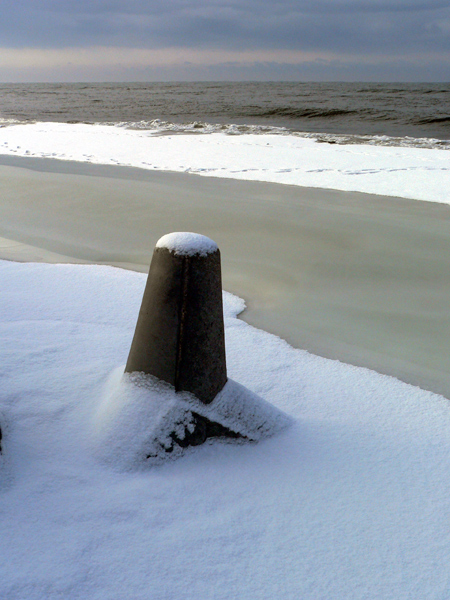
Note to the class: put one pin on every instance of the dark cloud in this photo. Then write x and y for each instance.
(352, 26)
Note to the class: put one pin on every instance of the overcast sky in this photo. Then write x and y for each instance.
(145, 40)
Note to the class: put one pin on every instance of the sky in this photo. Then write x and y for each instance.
(150, 40)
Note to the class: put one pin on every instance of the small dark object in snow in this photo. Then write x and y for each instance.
(201, 430)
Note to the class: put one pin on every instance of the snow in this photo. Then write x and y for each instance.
(351, 501)
(139, 413)
(344, 492)
(185, 243)
(408, 172)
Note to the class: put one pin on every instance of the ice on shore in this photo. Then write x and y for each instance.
(350, 502)
(406, 172)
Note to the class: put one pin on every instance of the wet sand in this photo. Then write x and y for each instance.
(357, 277)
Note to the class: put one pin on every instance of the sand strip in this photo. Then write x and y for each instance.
(352, 276)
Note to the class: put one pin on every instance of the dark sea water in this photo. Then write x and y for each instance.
(345, 110)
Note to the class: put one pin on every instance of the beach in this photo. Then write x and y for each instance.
(350, 276)
(332, 215)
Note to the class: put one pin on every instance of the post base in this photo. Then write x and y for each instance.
(143, 420)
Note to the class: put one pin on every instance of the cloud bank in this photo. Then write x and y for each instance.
(351, 39)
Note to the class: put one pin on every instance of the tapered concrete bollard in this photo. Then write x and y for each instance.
(180, 339)
(179, 335)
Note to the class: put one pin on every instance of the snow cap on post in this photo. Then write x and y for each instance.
(184, 243)
(180, 336)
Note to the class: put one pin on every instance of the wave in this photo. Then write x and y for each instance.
(431, 120)
(7, 122)
(302, 113)
(159, 127)
(444, 91)
(381, 140)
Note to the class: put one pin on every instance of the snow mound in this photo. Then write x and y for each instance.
(185, 243)
(141, 420)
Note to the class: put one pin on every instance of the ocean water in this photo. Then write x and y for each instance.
(413, 114)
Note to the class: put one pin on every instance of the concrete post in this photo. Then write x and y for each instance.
(179, 335)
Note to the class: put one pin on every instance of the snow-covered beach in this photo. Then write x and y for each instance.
(343, 274)
(404, 169)
(349, 502)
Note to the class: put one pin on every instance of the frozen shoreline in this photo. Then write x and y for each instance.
(351, 276)
(347, 502)
(408, 172)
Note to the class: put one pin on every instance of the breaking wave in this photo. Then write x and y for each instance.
(158, 127)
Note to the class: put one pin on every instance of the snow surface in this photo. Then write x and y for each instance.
(352, 501)
(408, 172)
(139, 413)
(187, 244)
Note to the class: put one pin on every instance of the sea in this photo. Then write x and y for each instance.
(400, 114)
